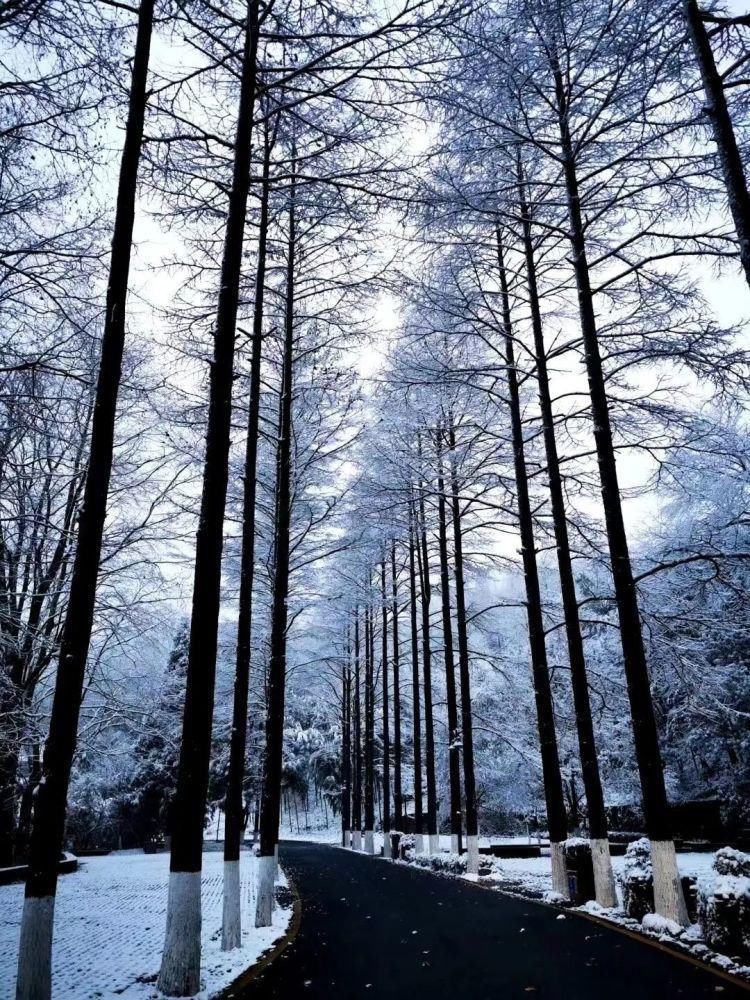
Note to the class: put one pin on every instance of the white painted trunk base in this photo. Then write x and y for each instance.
(386, 844)
(433, 843)
(357, 840)
(277, 870)
(454, 843)
(669, 900)
(265, 890)
(472, 855)
(347, 838)
(180, 974)
(34, 981)
(231, 919)
(369, 842)
(559, 874)
(419, 843)
(604, 877)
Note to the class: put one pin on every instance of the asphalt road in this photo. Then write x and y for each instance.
(372, 929)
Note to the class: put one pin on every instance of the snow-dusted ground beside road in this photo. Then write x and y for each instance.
(109, 928)
(534, 875)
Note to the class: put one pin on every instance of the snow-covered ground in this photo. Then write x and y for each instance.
(330, 836)
(109, 928)
(534, 875)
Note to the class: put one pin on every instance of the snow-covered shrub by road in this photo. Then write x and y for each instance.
(452, 864)
(637, 880)
(109, 928)
(724, 905)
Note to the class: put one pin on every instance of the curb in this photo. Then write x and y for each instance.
(245, 978)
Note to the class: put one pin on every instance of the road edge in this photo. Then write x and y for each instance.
(244, 979)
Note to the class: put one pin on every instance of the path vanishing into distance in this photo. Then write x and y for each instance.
(370, 928)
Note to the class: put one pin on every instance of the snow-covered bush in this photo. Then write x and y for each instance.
(724, 905)
(452, 864)
(729, 861)
(578, 860)
(637, 883)
(637, 880)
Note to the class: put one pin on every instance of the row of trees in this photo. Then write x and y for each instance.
(582, 157)
(561, 198)
(303, 81)
(382, 608)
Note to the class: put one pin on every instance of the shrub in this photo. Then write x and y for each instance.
(638, 883)
(452, 864)
(637, 880)
(724, 905)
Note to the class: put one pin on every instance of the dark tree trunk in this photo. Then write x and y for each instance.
(429, 731)
(180, 967)
(454, 761)
(346, 747)
(270, 805)
(723, 131)
(416, 713)
(277, 663)
(27, 801)
(467, 735)
(553, 786)
(386, 718)
(235, 811)
(23, 668)
(11, 715)
(578, 676)
(35, 951)
(369, 726)
(398, 795)
(357, 803)
(645, 734)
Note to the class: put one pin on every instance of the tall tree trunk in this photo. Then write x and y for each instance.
(11, 716)
(27, 801)
(270, 806)
(723, 131)
(23, 668)
(180, 965)
(433, 839)
(231, 927)
(369, 732)
(603, 876)
(34, 980)
(553, 787)
(398, 794)
(454, 762)
(416, 713)
(668, 896)
(467, 729)
(386, 823)
(346, 748)
(357, 803)
(8, 797)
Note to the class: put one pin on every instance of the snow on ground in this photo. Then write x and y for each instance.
(534, 875)
(109, 928)
(330, 835)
